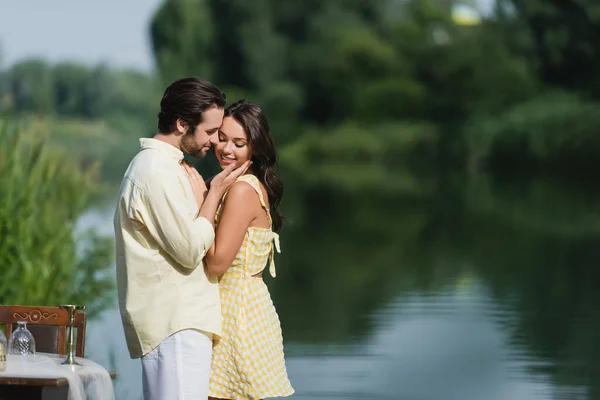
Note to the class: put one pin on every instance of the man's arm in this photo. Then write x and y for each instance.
(169, 219)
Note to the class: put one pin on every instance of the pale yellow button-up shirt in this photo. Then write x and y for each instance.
(162, 284)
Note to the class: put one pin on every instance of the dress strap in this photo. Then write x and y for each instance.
(274, 247)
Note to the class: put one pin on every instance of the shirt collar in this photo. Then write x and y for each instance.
(165, 148)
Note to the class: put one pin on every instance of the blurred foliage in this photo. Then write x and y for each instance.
(389, 157)
(74, 90)
(42, 193)
(487, 85)
(564, 36)
(393, 61)
(553, 130)
(95, 113)
(327, 63)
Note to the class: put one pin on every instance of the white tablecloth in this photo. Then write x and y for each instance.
(88, 381)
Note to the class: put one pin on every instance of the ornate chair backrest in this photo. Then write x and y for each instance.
(48, 325)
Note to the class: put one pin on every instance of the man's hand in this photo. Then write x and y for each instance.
(198, 186)
(221, 182)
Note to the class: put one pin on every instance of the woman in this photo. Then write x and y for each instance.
(248, 361)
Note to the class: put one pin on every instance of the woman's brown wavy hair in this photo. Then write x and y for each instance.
(264, 158)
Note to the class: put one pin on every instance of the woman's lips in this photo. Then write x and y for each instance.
(227, 160)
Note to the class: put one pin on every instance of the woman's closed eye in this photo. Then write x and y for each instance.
(238, 145)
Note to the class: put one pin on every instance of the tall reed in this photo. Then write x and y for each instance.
(43, 191)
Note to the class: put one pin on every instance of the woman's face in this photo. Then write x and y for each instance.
(233, 147)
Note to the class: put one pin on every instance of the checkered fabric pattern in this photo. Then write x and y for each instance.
(248, 361)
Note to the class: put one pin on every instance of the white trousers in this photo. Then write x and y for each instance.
(178, 368)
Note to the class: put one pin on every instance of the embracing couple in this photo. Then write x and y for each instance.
(190, 258)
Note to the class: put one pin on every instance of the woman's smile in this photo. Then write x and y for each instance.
(226, 160)
(232, 147)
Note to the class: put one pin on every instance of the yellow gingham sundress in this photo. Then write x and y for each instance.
(248, 361)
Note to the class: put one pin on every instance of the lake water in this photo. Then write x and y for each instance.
(461, 289)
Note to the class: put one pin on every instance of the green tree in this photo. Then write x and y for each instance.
(565, 36)
(30, 86)
(182, 34)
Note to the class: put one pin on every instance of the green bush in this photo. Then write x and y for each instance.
(550, 129)
(42, 193)
(387, 157)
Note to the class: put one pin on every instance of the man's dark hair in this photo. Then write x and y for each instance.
(187, 99)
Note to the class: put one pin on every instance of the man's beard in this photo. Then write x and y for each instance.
(189, 146)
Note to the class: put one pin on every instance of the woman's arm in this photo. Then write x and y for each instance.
(239, 210)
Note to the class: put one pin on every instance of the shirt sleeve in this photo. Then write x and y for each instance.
(164, 209)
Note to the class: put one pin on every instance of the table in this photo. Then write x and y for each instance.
(43, 377)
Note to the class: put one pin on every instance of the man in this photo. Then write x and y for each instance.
(169, 305)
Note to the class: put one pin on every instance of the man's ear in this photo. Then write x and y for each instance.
(182, 126)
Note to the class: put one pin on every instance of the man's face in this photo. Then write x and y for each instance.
(198, 142)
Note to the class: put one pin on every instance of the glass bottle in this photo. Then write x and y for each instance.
(21, 342)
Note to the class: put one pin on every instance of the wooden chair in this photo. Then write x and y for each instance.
(48, 325)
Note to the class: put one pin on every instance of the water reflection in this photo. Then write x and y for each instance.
(530, 244)
(443, 346)
(479, 289)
